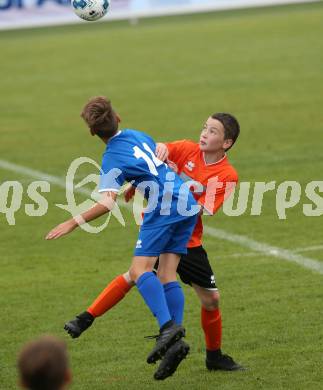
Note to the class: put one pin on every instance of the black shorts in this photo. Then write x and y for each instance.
(195, 268)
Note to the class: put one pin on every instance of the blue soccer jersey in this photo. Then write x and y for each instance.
(130, 157)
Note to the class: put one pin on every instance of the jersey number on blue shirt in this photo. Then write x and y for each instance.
(152, 161)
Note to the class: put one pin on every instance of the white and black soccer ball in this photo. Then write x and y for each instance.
(90, 10)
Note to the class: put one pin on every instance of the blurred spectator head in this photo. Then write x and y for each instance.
(43, 365)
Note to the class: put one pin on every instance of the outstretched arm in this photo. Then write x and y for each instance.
(100, 208)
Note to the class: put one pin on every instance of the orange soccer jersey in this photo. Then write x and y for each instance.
(211, 179)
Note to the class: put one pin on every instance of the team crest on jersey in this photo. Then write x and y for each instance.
(190, 165)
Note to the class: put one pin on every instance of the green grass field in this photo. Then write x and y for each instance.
(165, 76)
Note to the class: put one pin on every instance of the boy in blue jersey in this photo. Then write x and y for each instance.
(168, 222)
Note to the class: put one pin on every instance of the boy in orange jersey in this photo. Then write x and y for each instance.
(206, 169)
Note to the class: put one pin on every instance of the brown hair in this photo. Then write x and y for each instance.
(43, 364)
(230, 124)
(100, 117)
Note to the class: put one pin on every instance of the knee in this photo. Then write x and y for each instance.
(166, 272)
(136, 270)
(133, 275)
(165, 277)
(211, 300)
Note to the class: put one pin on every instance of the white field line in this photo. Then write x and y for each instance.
(256, 246)
(220, 234)
(254, 254)
(309, 248)
(59, 182)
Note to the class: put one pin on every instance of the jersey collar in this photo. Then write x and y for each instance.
(118, 133)
(215, 163)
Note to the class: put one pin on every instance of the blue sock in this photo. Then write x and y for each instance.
(152, 291)
(175, 301)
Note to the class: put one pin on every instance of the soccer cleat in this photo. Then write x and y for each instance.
(77, 326)
(222, 362)
(167, 337)
(172, 359)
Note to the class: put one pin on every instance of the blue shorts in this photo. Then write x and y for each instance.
(153, 241)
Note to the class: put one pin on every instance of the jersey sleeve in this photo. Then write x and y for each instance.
(112, 174)
(217, 192)
(178, 150)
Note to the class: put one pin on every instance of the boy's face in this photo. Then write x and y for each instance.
(212, 137)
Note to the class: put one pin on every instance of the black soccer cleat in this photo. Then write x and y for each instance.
(220, 361)
(168, 335)
(172, 359)
(77, 326)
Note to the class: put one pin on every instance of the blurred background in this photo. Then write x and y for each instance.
(31, 13)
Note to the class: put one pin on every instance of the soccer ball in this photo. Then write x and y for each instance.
(90, 10)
